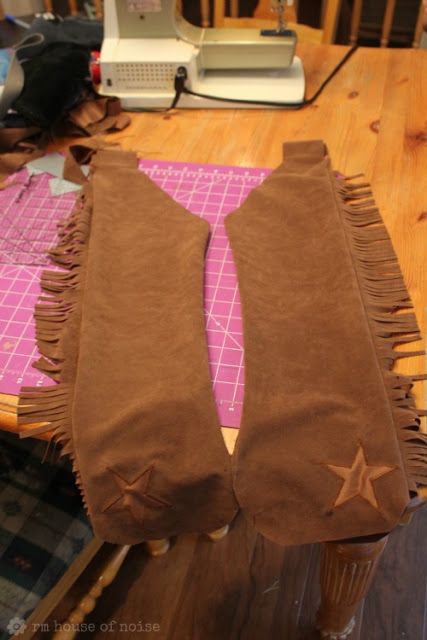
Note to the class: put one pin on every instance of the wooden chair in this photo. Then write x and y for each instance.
(98, 8)
(102, 578)
(72, 7)
(387, 23)
(264, 17)
(205, 12)
(308, 34)
(264, 11)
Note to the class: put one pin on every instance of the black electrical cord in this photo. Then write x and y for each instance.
(333, 73)
(263, 103)
(180, 88)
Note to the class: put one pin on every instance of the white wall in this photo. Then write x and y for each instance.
(22, 7)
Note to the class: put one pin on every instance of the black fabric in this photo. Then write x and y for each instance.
(54, 80)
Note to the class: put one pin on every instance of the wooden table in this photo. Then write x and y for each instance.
(373, 118)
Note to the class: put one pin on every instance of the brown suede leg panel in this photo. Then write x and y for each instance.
(329, 446)
(135, 407)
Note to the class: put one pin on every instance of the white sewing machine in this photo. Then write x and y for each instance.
(146, 41)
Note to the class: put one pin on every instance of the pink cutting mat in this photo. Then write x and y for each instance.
(28, 217)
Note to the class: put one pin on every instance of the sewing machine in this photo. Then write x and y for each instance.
(146, 41)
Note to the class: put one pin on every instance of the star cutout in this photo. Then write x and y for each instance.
(134, 495)
(358, 479)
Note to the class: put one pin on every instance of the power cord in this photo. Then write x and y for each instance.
(180, 88)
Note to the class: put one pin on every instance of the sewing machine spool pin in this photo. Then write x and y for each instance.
(281, 29)
(281, 26)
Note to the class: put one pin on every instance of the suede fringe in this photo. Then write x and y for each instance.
(385, 296)
(48, 408)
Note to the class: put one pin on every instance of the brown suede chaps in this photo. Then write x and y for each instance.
(330, 445)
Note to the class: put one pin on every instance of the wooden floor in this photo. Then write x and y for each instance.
(245, 588)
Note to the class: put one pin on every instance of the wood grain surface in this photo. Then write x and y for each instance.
(373, 118)
(247, 588)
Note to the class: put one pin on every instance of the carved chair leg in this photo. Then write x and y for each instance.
(69, 629)
(346, 573)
